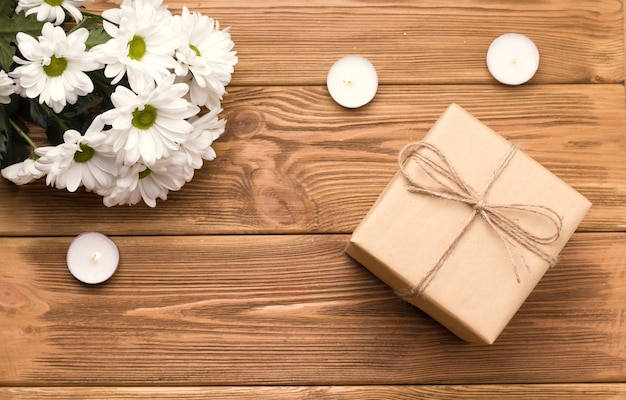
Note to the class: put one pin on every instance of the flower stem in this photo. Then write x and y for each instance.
(55, 118)
(88, 14)
(100, 18)
(23, 134)
(102, 82)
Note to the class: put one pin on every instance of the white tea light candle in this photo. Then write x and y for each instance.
(512, 59)
(92, 257)
(352, 81)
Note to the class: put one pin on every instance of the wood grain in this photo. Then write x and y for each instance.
(282, 42)
(294, 161)
(289, 310)
(372, 392)
(238, 285)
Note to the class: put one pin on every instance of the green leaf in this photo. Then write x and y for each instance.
(37, 113)
(10, 24)
(8, 134)
(41, 115)
(74, 116)
(97, 36)
(6, 56)
(18, 150)
(4, 132)
(55, 134)
(87, 23)
(6, 8)
(14, 147)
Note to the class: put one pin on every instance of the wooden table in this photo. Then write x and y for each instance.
(238, 285)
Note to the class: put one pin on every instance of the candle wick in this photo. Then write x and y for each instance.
(347, 81)
(515, 61)
(96, 256)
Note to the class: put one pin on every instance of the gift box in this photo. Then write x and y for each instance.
(467, 227)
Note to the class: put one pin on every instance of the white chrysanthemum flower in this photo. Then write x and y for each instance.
(23, 172)
(206, 54)
(51, 10)
(6, 88)
(139, 182)
(206, 129)
(150, 125)
(80, 160)
(142, 43)
(54, 66)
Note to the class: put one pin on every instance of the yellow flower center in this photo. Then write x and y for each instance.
(56, 67)
(144, 119)
(137, 48)
(84, 155)
(144, 173)
(195, 50)
(54, 3)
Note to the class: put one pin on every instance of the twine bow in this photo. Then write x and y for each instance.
(450, 186)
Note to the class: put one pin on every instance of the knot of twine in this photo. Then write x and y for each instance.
(450, 186)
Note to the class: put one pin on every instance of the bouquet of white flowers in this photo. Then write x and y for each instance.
(129, 100)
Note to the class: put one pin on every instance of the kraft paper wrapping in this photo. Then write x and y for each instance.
(475, 293)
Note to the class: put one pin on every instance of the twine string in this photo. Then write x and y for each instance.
(449, 185)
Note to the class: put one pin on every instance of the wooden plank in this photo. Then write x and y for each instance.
(242, 313)
(291, 309)
(372, 392)
(294, 161)
(281, 42)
